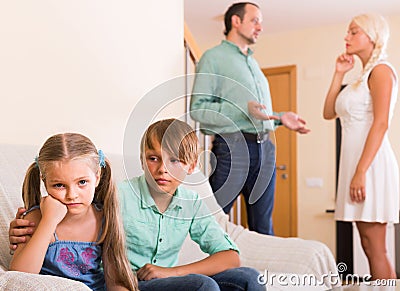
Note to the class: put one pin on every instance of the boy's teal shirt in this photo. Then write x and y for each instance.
(156, 238)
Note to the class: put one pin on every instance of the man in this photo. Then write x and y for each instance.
(231, 100)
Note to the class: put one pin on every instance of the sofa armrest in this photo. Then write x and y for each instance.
(18, 281)
(282, 255)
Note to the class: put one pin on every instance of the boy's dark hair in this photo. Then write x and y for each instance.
(235, 9)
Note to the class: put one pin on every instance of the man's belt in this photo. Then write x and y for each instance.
(260, 137)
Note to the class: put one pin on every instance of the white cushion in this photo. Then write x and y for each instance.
(18, 281)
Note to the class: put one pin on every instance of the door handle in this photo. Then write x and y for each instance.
(281, 167)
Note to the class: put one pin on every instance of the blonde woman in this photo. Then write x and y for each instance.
(368, 186)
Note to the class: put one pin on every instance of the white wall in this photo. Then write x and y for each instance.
(314, 51)
(82, 65)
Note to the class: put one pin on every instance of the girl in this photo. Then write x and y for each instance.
(368, 186)
(78, 225)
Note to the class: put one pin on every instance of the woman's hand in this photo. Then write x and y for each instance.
(344, 63)
(357, 187)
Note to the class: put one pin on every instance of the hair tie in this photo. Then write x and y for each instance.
(37, 161)
(102, 159)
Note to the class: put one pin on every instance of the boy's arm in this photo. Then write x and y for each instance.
(206, 232)
(20, 229)
(214, 264)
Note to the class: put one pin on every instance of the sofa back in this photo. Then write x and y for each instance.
(14, 160)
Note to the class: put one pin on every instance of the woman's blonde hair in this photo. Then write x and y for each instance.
(176, 137)
(377, 29)
(71, 146)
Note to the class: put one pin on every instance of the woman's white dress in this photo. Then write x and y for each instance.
(355, 109)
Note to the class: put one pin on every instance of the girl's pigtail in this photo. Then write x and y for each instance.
(31, 187)
(113, 236)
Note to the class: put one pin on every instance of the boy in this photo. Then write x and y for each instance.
(158, 214)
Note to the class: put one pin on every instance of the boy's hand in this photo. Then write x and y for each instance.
(149, 271)
(20, 229)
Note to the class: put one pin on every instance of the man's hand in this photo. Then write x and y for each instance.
(256, 110)
(149, 271)
(20, 230)
(292, 121)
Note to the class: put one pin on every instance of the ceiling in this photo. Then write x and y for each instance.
(205, 17)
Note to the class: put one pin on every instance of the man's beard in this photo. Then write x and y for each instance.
(249, 40)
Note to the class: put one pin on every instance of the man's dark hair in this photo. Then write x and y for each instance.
(235, 9)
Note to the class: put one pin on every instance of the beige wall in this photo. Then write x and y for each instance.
(314, 51)
(82, 65)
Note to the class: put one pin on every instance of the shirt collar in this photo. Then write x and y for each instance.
(177, 200)
(235, 47)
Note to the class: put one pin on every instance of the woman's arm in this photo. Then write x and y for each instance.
(209, 266)
(380, 83)
(344, 63)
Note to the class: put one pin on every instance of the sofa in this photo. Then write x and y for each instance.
(283, 263)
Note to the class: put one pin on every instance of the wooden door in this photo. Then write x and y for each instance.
(282, 82)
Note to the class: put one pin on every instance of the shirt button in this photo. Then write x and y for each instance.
(160, 240)
(154, 261)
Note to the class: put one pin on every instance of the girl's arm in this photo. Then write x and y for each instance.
(209, 266)
(344, 63)
(380, 83)
(28, 257)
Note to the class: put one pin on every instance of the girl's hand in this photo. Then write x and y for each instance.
(149, 272)
(357, 188)
(344, 63)
(52, 209)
